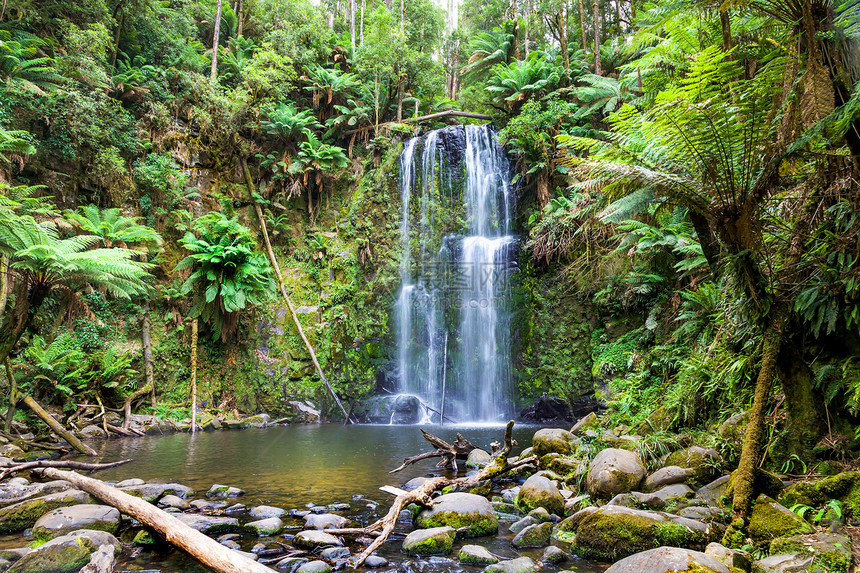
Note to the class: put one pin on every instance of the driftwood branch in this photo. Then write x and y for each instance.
(385, 525)
(58, 464)
(448, 452)
(57, 428)
(209, 552)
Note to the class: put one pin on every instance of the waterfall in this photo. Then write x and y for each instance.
(457, 257)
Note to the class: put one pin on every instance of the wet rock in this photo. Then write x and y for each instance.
(145, 538)
(209, 523)
(218, 490)
(434, 541)
(335, 553)
(770, 520)
(476, 555)
(290, 564)
(65, 554)
(84, 516)
(539, 491)
(540, 515)
(265, 511)
(314, 567)
(257, 421)
(325, 521)
(554, 555)
(230, 544)
(13, 555)
(130, 482)
(668, 560)
(518, 526)
(375, 561)
(460, 510)
(206, 505)
(150, 424)
(266, 527)
(533, 536)
(519, 565)
(24, 514)
(551, 440)
(705, 514)
(614, 471)
(729, 557)
(152, 492)
(547, 410)
(704, 461)
(713, 491)
(173, 501)
(674, 493)
(235, 508)
(92, 431)
(478, 458)
(669, 475)
(589, 422)
(733, 428)
(786, 563)
(311, 539)
(830, 552)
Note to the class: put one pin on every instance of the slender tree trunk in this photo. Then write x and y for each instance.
(194, 376)
(582, 28)
(564, 45)
(361, 24)
(117, 37)
(4, 284)
(240, 16)
(597, 69)
(3, 11)
(400, 85)
(352, 25)
(13, 395)
(215, 40)
(726, 27)
(403, 16)
(57, 427)
(527, 13)
(146, 342)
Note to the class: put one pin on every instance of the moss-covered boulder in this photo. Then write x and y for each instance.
(658, 421)
(472, 515)
(537, 535)
(831, 553)
(566, 465)
(518, 565)
(84, 516)
(24, 514)
(669, 560)
(844, 487)
(478, 458)
(614, 471)
(551, 440)
(539, 491)
(313, 539)
(476, 555)
(434, 541)
(314, 567)
(705, 461)
(770, 520)
(65, 554)
(265, 527)
(589, 422)
(613, 532)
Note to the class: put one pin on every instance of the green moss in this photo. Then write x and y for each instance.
(26, 513)
(769, 521)
(614, 536)
(472, 524)
(432, 545)
(844, 487)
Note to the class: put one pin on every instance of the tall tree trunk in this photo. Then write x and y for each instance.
(562, 33)
(13, 395)
(352, 25)
(726, 27)
(526, 15)
(117, 36)
(26, 307)
(4, 284)
(806, 417)
(618, 16)
(146, 342)
(194, 376)
(216, 36)
(597, 69)
(401, 82)
(240, 17)
(403, 16)
(361, 24)
(582, 28)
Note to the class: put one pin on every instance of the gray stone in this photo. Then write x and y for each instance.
(414, 483)
(375, 561)
(669, 475)
(311, 539)
(65, 554)
(703, 461)
(614, 471)
(433, 541)
(462, 510)
(831, 552)
(235, 508)
(540, 514)
(209, 523)
(589, 422)
(518, 526)
(24, 514)
(519, 565)
(668, 560)
(303, 412)
(152, 492)
(785, 563)
(335, 553)
(173, 501)
(674, 493)
(478, 458)
(708, 513)
(539, 491)
(85, 516)
(266, 527)
(230, 544)
(533, 536)
(554, 555)
(314, 567)
(218, 490)
(92, 431)
(290, 564)
(266, 511)
(206, 505)
(476, 555)
(713, 491)
(729, 557)
(551, 440)
(130, 482)
(325, 521)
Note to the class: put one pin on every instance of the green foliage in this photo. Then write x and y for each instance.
(289, 123)
(511, 85)
(112, 226)
(833, 509)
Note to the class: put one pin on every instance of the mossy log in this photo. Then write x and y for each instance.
(207, 551)
(57, 427)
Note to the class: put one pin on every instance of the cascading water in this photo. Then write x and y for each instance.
(458, 254)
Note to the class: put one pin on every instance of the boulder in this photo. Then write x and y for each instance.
(314, 567)
(551, 440)
(92, 431)
(130, 482)
(313, 538)
(589, 422)
(476, 555)
(830, 552)
(713, 491)
(614, 471)
(266, 527)
(844, 487)
(554, 555)
(705, 461)
(539, 491)
(732, 430)
(784, 563)
(658, 421)
(152, 492)
(567, 465)
(65, 554)
(537, 535)
(173, 501)
(478, 458)
(335, 553)
(519, 565)
(461, 510)
(613, 532)
(434, 541)
(415, 483)
(669, 475)
(16, 490)
(290, 564)
(375, 561)
(668, 560)
(84, 516)
(24, 514)
(547, 410)
(325, 521)
(770, 520)
(208, 523)
(729, 557)
(674, 493)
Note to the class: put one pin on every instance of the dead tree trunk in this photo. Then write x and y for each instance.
(597, 69)
(146, 342)
(126, 408)
(57, 428)
(448, 452)
(194, 376)
(209, 552)
(213, 73)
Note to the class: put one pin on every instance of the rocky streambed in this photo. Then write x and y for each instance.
(580, 508)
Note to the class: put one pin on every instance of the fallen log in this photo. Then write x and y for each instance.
(207, 551)
(57, 427)
(498, 466)
(448, 452)
(68, 464)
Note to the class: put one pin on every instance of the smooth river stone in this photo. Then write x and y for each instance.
(311, 539)
(325, 521)
(85, 516)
